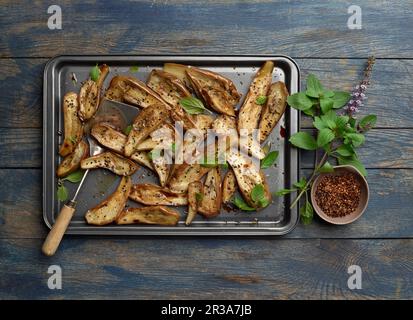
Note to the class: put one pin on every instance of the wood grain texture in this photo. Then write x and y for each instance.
(223, 269)
(390, 148)
(389, 95)
(215, 27)
(387, 216)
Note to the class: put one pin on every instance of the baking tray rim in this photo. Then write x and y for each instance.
(161, 231)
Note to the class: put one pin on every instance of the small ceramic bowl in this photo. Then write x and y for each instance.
(364, 197)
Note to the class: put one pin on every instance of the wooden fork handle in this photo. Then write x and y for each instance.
(55, 235)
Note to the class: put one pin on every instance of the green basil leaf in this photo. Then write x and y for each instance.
(345, 150)
(261, 100)
(199, 196)
(241, 204)
(328, 93)
(128, 129)
(353, 161)
(303, 140)
(134, 69)
(192, 105)
(269, 159)
(357, 139)
(264, 202)
(62, 193)
(319, 124)
(95, 73)
(258, 193)
(306, 213)
(314, 87)
(326, 168)
(342, 121)
(283, 192)
(340, 99)
(326, 104)
(329, 119)
(75, 177)
(368, 122)
(301, 183)
(300, 101)
(310, 112)
(324, 136)
(173, 147)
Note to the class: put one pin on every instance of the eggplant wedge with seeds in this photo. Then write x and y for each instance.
(109, 137)
(89, 95)
(152, 195)
(183, 174)
(179, 71)
(203, 122)
(210, 204)
(139, 94)
(117, 88)
(148, 120)
(172, 90)
(162, 168)
(142, 158)
(194, 198)
(149, 215)
(226, 126)
(218, 92)
(248, 176)
(229, 186)
(250, 112)
(108, 211)
(72, 162)
(273, 109)
(73, 128)
(111, 161)
(161, 138)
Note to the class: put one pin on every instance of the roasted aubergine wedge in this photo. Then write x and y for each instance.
(149, 215)
(273, 109)
(210, 204)
(89, 95)
(148, 120)
(195, 195)
(183, 174)
(142, 158)
(218, 92)
(152, 195)
(229, 186)
(111, 161)
(73, 128)
(248, 176)
(117, 88)
(139, 94)
(72, 162)
(250, 112)
(109, 137)
(172, 90)
(108, 211)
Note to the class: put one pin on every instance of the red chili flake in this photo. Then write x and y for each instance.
(338, 195)
(282, 132)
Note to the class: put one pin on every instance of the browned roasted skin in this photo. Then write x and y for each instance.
(149, 215)
(210, 205)
(148, 120)
(152, 195)
(117, 88)
(273, 109)
(73, 128)
(229, 186)
(111, 161)
(89, 96)
(139, 94)
(249, 114)
(194, 189)
(108, 211)
(72, 162)
(183, 175)
(218, 92)
(109, 137)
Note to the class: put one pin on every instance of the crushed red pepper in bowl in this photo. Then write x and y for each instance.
(338, 195)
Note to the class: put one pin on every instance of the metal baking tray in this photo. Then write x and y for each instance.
(276, 219)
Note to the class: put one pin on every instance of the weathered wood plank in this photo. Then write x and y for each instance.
(388, 214)
(390, 148)
(389, 94)
(223, 269)
(214, 27)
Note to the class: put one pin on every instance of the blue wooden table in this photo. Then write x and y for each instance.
(309, 263)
